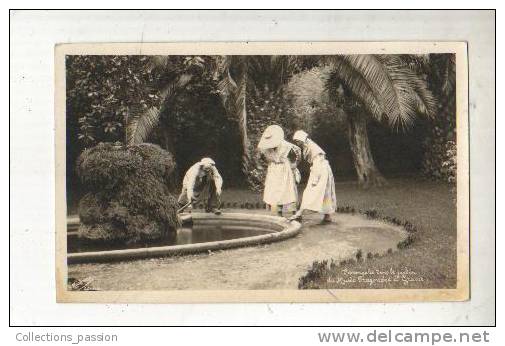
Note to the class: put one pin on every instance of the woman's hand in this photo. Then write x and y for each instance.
(298, 176)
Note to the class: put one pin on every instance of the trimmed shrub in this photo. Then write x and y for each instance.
(128, 199)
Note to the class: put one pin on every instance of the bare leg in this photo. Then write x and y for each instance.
(214, 200)
(279, 210)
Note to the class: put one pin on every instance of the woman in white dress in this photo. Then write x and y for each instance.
(281, 192)
(319, 195)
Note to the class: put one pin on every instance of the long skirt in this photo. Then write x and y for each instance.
(320, 197)
(203, 192)
(280, 192)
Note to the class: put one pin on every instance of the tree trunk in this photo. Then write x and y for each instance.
(368, 174)
(242, 127)
(250, 166)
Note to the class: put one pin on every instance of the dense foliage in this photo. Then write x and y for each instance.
(194, 125)
(440, 161)
(102, 90)
(128, 199)
(218, 106)
(252, 89)
(440, 145)
(122, 99)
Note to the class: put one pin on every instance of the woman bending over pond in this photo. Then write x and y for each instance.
(319, 195)
(281, 192)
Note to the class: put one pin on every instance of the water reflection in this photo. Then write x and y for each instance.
(185, 235)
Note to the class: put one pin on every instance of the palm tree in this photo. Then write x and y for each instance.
(383, 88)
(233, 93)
(251, 88)
(174, 73)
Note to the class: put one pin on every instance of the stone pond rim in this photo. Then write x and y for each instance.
(279, 229)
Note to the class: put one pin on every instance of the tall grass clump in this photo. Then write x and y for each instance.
(128, 199)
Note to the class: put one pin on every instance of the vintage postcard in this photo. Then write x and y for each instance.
(262, 172)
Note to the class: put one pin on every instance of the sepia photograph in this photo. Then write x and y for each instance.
(262, 172)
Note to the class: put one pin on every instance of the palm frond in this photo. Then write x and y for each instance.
(240, 102)
(416, 62)
(364, 76)
(412, 92)
(140, 126)
(271, 72)
(443, 73)
(226, 88)
(386, 85)
(427, 101)
(142, 122)
(449, 82)
(407, 101)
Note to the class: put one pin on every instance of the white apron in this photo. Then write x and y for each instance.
(319, 195)
(280, 185)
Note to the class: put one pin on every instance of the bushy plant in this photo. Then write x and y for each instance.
(449, 166)
(440, 156)
(318, 272)
(128, 199)
(440, 161)
(102, 90)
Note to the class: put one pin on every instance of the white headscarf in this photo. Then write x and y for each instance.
(300, 135)
(207, 162)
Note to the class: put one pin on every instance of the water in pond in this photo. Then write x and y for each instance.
(185, 235)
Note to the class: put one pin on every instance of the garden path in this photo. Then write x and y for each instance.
(272, 266)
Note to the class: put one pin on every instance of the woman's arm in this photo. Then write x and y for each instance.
(317, 166)
(268, 155)
(293, 158)
(218, 180)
